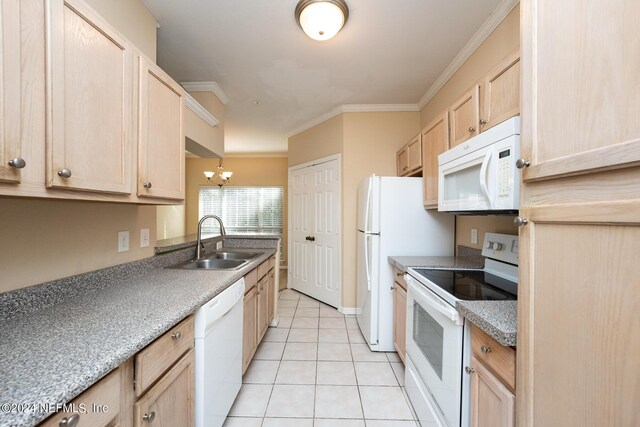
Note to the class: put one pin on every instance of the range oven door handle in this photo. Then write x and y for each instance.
(433, 301)
(483, 177)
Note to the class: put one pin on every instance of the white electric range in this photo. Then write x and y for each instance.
(438, 339)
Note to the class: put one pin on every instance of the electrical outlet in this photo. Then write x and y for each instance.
(474, 236)
(218, 246)
(144, 237)
(123, 241)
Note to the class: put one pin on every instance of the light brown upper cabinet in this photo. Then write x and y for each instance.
(465, 117)
(11, 156)
(435, 141)
(596, 124)
(161, 160)
(500, 92)
(89, 91)
(409, 157)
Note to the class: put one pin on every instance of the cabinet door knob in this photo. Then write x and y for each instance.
(176, 336)
(485, 349)
(149, 417)
(483, 122)
(469, 370)
(519, 222)
(522, 163)
(17, 163)
(71, 421)
(64, 173)
(471, 129)
(147, 185)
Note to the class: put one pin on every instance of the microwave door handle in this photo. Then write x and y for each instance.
(443, 308)
(483, 177)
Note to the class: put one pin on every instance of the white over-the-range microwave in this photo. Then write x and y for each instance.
(480, 176)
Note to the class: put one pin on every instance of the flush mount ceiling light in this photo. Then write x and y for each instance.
(321, 19)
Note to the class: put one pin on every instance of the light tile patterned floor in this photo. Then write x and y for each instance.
(315, 370)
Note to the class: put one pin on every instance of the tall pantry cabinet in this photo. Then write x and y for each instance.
(579, 297)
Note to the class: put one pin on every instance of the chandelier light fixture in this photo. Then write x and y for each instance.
(222, 178)
(321, 19)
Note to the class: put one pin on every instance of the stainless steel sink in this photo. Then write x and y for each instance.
(232, 255)
(221, 260)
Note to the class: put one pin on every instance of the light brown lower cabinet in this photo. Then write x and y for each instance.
(492, 403)
(170, 402)
(250, 327)
(263, 307)
(272, 293)
(400, 320)
(259, 308)
(105, 395)
(493, 382)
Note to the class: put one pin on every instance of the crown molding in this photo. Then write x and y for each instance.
(355, 108)
(255, 155)
(200, 111)
(206, 87)
(496, 17)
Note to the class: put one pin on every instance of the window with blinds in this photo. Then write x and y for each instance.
(244, 210)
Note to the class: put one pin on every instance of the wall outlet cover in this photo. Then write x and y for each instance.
(218, 245)
(144, 237)
(123, 241)
(474, 236)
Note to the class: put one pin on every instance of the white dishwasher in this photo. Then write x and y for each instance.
(218, 341)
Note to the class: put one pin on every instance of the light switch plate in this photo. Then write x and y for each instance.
(123, 241)
(144, 237)
(474, 236)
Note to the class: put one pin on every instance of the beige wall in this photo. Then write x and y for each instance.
(63, 237)
(317, 142)
(48, 239)
(370, 144)
(132, 19)
(259, 171)
(500, 42)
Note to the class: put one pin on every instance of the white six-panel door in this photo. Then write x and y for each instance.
(314, 229)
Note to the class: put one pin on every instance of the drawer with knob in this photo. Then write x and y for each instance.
(398, 277)
(160, 355)
(101, 403)
(263, 269)
(499, 359)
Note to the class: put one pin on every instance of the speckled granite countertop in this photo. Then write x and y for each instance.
(499, 319)
(53, 354)
(404, 262)
(168, 245)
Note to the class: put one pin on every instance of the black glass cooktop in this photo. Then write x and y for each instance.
(471, 285)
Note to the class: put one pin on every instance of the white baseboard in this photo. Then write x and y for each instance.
(347, 310)
(275, 321)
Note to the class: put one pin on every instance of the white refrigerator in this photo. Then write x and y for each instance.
(392, 221)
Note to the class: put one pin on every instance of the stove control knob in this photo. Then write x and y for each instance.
(497, 246)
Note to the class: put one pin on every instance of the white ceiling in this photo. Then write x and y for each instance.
(277, 79)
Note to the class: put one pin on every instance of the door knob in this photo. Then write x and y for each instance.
(149, 417)
(519, 222)
(310, 238)
(483, 122)
(64, 173)
(17, 163)
(469, 370)
(71, 421)
(522, 163)
(147, 185)
(471, 129)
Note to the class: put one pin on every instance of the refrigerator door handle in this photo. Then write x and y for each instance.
(366, 260)
(366, 209)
